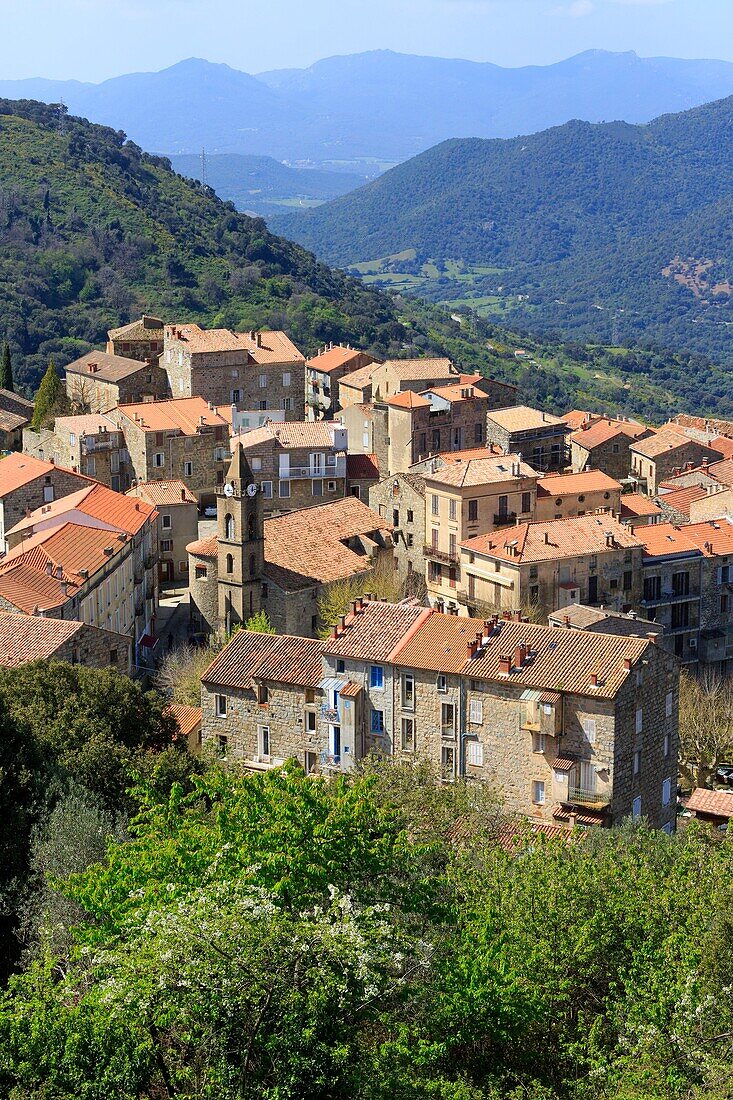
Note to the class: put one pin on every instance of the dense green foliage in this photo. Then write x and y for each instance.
(583, 220)
(284, 937)
(6, 369)
(48, 396)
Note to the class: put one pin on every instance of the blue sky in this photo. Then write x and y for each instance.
(95, 39)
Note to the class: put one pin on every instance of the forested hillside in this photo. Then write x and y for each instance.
(613, 231)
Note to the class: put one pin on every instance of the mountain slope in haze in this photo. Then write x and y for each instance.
(613, 230)
(263, 185)
(378, 106)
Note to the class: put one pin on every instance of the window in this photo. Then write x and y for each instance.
(230, 563)
(410, 515)
(200, 572)
(668, 828)
(377, 721)
(435, 504)
(539, 742)
(668, 705)
(317, 487)
(448, 762)
(503, 505)
(474, 754)
(113, 656)
(262, 693)
(526, 502)
(472, 511)
(267, 490)
(340, 666)
(331, 486)
(681, 584)
(263, 405)
(639, 719)
(159, 459)
(287, 404)
(476, 712)
(442, 682)
(263, 740)
(47, 494)
(724, 603)
(263, 381)
(286, 378)
(310, 721)
(283, 489)
(256, 464)
(538, 792)
(187, 469)
(628, 580)
(665, 745)
(376, 677)
(652, 588)
(408, 691)
(166, 546)
(478, 433)
(637, 761)
(447, 720)
(589, 730)
(222, 742)
(220, 702)
(228, 526)
(236, 397)
(636, 808)
(408, 734)
(165, 522)
(452, 545)
(452, 508)
(666, 792)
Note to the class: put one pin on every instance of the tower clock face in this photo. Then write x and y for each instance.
(252, 490)
(228, 489)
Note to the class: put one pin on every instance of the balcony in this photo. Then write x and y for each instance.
(671, 598)
(329, 470)
(433, 554)
(594, 800)
(330, 714)
(503, 519)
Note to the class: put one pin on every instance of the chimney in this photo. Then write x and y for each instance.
(505, 665)
(567, 621)
(472, 647)
(594, 679)
(609, 538)
(651, 637)
(547, 538)
(59, 572)
(334, 632)
(183, 494)
(259, 339)
(520, 652)
(49, 568)
(627, 664)
(705, 463)
(342, 623)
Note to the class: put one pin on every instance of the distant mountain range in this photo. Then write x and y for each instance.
(614, 231)
(372, 110)
(263, 185)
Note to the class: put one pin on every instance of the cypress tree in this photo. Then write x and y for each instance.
(6, 370)
(47, 397)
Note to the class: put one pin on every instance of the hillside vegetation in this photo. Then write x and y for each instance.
(587, 230)
(94, 231)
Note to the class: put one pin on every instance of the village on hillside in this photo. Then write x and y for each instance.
(391, 557)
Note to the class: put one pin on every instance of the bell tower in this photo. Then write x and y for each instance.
(241, 541)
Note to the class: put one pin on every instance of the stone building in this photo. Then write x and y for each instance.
(567, 726)
(323, 373)
(252, 370)
(546, 566)
(465, 499)
(98, 382)
(562, 496)
(90, 556)
(362, 474)
(297, 464)
(178, 524)
(28, 638)
(537, 436)
(185, 440)
(26, 483)
(603, 444)
(400, 500)
(599, 620)
(16, 414)
(91, 444)
(141, 339)
(656, 457)
(638, 510)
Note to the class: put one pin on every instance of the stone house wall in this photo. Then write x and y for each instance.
(284, 712)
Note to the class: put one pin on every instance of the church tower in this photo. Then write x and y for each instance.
(241, 542)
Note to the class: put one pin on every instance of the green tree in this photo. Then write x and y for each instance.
(260, 623)
(6, 370)
(48, 396)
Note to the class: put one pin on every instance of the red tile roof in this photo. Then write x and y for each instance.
(187, 719)
(681, 499)
(280, 658)
(559, 538)
(375, 631)
(118, 511)
(204, 548)
(165, 493)
(715, 803)
(722, 445)
(587, 481)
(408, 399)
(26, 638)
(487, 470)
(17, 470)
(665, 539)
(664, 442)
(333, 359)
(362, 468)
(636, 504)
(603, 431)
(109, 368)
(184, 415)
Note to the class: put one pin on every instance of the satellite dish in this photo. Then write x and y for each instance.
(252, 490)
(228, 489)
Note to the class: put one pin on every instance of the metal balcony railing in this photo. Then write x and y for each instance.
(504, 518)
(581, 796)
(432, 553)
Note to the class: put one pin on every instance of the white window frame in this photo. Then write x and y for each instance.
(407, 734)
(166, 522)
(441, 683)
(476, 712)
(538, 792)
(263, 741)
(286, 378)
(283, 489)
(474, 754)
(263, 381)
(666, 791)
(590, 730)
(267, 490)
(220, 706)
(188, 468)
(159, 459)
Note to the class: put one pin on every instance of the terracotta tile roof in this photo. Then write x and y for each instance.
(143, 329)
(375, 631)
(461, 391)
(665, 539)
(17, 470)
(26, 638)
(359, 379)
(518, 835)
(487, 451)
(275, 657)
(719, 427)
(559, 538)
(362, 468)
(523, 418)
(410, 369)
(334, 359)
(722, 471)
(309, 546)
(558, 660)
(722, 445)
(408, 399)
(204, 548)
(116, 510)
(480, 471)
(635, 504)
(681, 499)
(576, 418)
(165, 493)
(581, 617)
(109, 368)
(712, 537)
(88, 424)
(14, 403)
(9, 422)
(662, 442)
(187, 719)
(292, 434)
(563, 763)
(182, 414)
(586, 817)
(262, 347)
(716, 803)
(587, 481)
(350, 690)
(603, 431)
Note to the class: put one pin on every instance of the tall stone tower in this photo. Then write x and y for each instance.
(241, 544)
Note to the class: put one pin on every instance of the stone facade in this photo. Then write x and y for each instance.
(142, 339)
(99, 382)
(566, 495)
(96, 648)
(323, 373)
(297, 469)
(537, 436)
(653, 466)
(20, 495)
(401, 501)
(16, 414)
(92, 445)
(203, 584)
(290, 713)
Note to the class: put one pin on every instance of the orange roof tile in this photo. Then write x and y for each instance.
(411, 369)
(334, 358)
(165, 493)
(664, 539)
(681, 499)
(182, 414)
(663, 442)
(146, 326)
(362, 468)
(187, 719)
(715, 803)
(17, 470)
(722, 445)
(118, 511)
(103, 367)
(408, 399)
(604, 430)
(587, 481)
(713, 537)
(262, 347)
(204, 548)
(523, 418)
(373, 632)
(560, 538)
(576, 418)
(253, 656)
(359, 379)
(487, 470)
(292, 434)
(636, 504)
(26, 638)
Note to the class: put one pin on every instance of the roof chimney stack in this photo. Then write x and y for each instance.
(505, 664)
